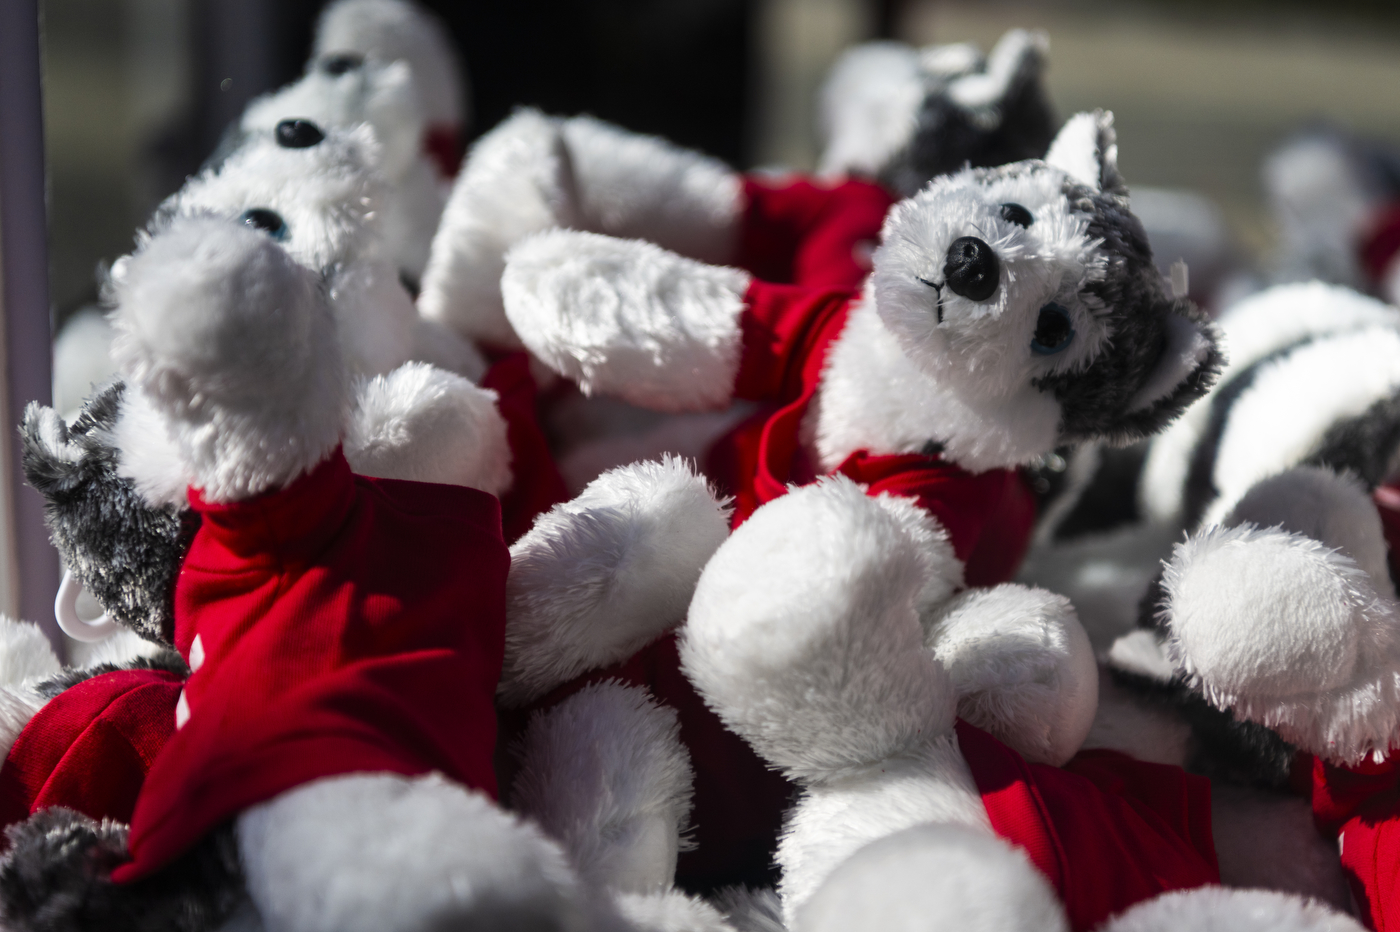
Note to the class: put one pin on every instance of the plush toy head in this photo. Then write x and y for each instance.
(1029, 291)
(906, 115)
(315, 192)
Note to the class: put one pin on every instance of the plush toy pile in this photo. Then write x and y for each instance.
(392, 605)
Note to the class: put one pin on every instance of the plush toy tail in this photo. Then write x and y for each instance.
(600, 576)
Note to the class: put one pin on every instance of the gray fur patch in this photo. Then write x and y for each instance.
(123, 551)
(1095, 400)
(56, 877)
(168, 660)
(947, 137)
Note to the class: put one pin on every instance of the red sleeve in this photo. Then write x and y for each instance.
(1107, 831)
(989, 516)
(786, 330)
(536, 485)
(806, 233)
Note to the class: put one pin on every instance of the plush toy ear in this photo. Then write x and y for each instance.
(1087, 149)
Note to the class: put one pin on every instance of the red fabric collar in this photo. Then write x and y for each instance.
(348, 625)
(1107, 831)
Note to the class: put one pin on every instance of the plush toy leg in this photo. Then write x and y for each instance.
(377, 851)
(599, 576)
(627, 318)
(804, 637)
(605, 774)
(1022, 668)
(1286, 632)
(935, 877)
(1212, 908)
(643, 187)
(515, 182)
(426, 424)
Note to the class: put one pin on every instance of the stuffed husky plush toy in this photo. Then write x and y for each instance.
(1011, 310)
(388, 63)
(250, 442)
(903, 116)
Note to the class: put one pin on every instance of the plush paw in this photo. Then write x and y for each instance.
(426, 424)
(368, 852)
(1221, 909)
(600, 576)
(516, 181)
(934, 877)
(627, 318)
(804, 633)
(1288, 633)
(604, 773)
(1022, 668)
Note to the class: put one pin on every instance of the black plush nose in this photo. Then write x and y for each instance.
(972, 269)
(298, 134)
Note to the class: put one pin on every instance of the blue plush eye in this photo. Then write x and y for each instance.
(1053, 330)
(269, 221)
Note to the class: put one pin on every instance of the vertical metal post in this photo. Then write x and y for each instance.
(28, 337)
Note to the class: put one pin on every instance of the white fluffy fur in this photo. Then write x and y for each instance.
(902, 409)
(329, 195)
(121, 647)
(1217, 909)
(17, 706)
(25, 653)
(1320, 205)
(425, 424)
(1333, 509)
(235, 345)
(1021, 667)
(1292, 403)
(605, 774)
(515, 181)
(1253, 328)
(599, 576)
(671, 911)
(399, 30)
(1268, 840)
(869, 107)
(438, 345)
(935, 877)
(1285, 632)
(627, 318)
(804, 634)
(833, 820)
(635, 186)
(150, 455)
(419, 854)
(82, 360)
(1084, 149)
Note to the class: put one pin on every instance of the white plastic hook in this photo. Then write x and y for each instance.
(65, 609)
